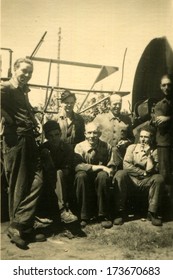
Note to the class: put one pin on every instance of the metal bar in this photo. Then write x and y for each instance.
(50, 95)
(6, 49)
(69, 62)
(89, 107)
(10, 65)
(93, 105)
(71, 89)
(38, 45)
(48, 80)
(10, 61)
(87, 95)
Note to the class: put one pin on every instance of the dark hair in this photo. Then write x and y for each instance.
(149, 129)
(50, 125)
(20, 60)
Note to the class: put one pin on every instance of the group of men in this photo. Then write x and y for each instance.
(81, 170)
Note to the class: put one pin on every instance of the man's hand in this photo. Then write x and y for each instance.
(122, 143)
(104, 168)
(108, 171)
(2, 121)
(22, 118)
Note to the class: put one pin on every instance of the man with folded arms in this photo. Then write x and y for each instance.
(94, 171)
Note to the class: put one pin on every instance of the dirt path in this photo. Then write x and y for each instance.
(89, 247)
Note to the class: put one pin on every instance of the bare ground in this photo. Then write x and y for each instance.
(133, 240)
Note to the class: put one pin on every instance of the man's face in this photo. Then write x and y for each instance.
(92, 134)
(68, 104)
(116, 104)
(166, 86)
(145, 138)
(23, 73)
(53, 137)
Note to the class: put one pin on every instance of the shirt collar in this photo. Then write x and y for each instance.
(88, 147)
(139, 148)
(15, 84)
(62, 115)
(112, 117)
(165, 100)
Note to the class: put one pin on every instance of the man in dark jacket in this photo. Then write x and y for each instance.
(57, 162)
(71, 123)
(20, 153)
(163, 121)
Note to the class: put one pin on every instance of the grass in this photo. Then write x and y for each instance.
(134, 236)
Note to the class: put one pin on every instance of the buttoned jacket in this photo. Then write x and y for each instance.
(135, 159)
(164, 134)
(114, 128)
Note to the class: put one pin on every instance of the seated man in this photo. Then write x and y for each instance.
(57, 161)
(141, 173)
(94, 167)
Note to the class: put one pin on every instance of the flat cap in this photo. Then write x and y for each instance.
(67, 94)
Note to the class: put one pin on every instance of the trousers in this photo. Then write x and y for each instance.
(93, 193)
(153, 184)
(24, 178)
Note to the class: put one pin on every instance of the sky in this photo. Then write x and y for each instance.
(93, 31)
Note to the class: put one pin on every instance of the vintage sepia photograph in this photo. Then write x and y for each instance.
(86, 130)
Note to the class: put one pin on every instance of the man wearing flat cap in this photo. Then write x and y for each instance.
(71, 123)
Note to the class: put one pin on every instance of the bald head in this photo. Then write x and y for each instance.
(115, 104)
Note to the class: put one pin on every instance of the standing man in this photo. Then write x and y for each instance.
(71, 123)
(140, 174)
(21, 162)
(163, 121)
(116, 129)
(93, 176)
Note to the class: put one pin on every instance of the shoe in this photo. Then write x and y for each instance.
(105, 222)
(43, 220)
(15, 236)
(118, 221)
(36, 237)
(33, 236)
(68, 217)
(156, 221)
(83, 223)
(67, 233)
(120, 218)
